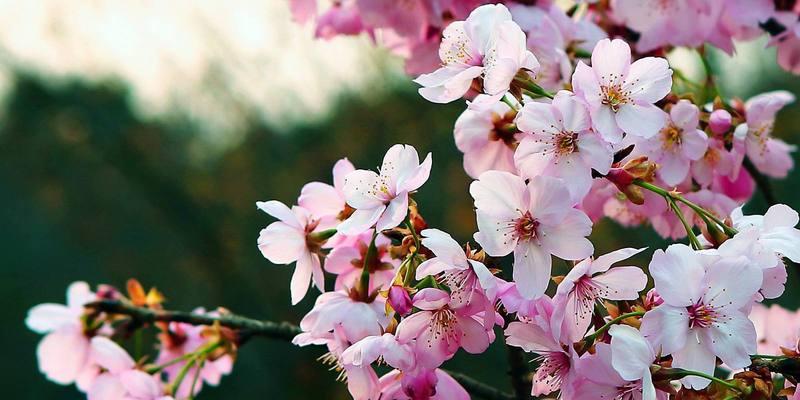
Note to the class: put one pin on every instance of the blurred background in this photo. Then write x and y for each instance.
(136, 137)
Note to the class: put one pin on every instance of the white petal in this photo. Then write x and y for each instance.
(611, 60)
(361, 188)
(631, 354)
(361, 220)
(531, 270)
(649, 79)
(678, 274)
(281, 243)
(666, 326)
(279, 211)
(643, 120)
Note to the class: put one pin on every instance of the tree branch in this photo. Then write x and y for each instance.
(249, 327)
(480, 389)
(761, 181)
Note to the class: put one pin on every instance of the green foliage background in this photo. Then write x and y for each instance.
(89, 191)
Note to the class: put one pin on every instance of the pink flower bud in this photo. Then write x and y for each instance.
(400, 300)
(652, 299)
(720, 121)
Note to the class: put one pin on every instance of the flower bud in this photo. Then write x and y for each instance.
(400, 300)
(720, 121)
(652, 300)
(623, 177)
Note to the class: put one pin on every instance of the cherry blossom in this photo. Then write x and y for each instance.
(346, 261)
(357, 319)
(590, 281)
(487, 138)
(677, 144)
(770, 155)
(532, 220)
(63, 354)
(381, 200)
(701, 317)
(620, 94)
(561, 143)
(439, 330)
(444, 386)
(121, 379)
(287, 240)
(489, 45)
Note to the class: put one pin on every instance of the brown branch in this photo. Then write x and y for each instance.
(480, 389)
(248, 327)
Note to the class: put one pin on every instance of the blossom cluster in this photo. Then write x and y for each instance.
(413, 29)
(81, 347)
(565, 123)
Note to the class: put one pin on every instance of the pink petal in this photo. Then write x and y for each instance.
(621, 283)
(694, 144)
(281, 243)
(538, 118)
(678, 274)
(780, 215)
(574, 115)
(361, 220)
(499, 193)
(360, 188)
(48, 317)
(685, 115)
(611, 60)
(395, 213)
(320, 199)
(140, 385)
(695, 356)
(668, 327)
(110, 355)
(732, 282)
(631, 354)
(604, 262)
(474, 338)
(732, 340)
(596, 153)
(649, 79)
(567, 240)
(444, 247)
(62, 356)
(643, 120)
(448, 83)
(673, 169)
(547, 195)
(530, 337)
(301, 278)
(533, 156)
(279, 211)
(531, 270)
(431, 299)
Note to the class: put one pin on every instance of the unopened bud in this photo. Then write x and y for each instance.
(652, 300)
(623, 177)
(400, 300)
(720, 121)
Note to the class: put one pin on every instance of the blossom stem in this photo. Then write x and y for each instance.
(173, 387)
(680, 373)
(511, 103)
(689, 232)
(592, 337)
(697, 209)
(363, 283)
(197, 376)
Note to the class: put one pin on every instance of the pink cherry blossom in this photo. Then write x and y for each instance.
(660, 23)
(677, 144)
(620, 94)
(532, 220)
(346, 261)
(327, 202)
(770, 155)
(701, 317)
(181, 339)
(631, 357)
(590, 281)
(381, 200)
(717, 161)
(557, 369)
(63, 354)
(342, 18)
(357, 319)
(561, 143)
(469, 281)
(121, 380)
(362, 381)
(486, 137)
(287, 240)
(444, 386)
(788, 42)
(439, 330)
(776, 328)
(602, 381)
(720, 121)
(489, 45)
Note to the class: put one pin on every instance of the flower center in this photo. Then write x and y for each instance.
(443, 327)
(671, 136)
(613, 96)
(525, 226)
(504, 129)
(566, 143)
(552, 370)
(701, 315)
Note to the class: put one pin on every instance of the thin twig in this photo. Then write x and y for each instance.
(480, 389)
(253, 327)
(249, 327)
